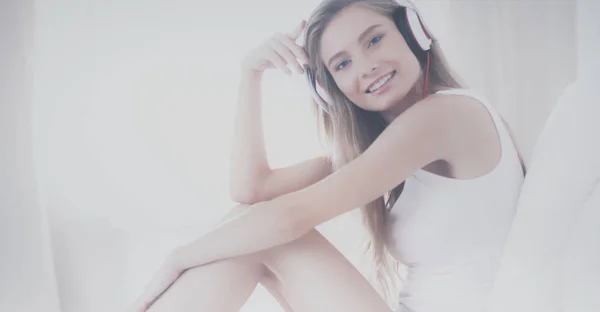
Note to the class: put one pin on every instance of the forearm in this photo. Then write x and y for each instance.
(248, 160)
(258, 227)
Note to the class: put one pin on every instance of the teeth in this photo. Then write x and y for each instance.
(380, 83)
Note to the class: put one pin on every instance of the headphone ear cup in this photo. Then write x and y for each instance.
(317, 90)
(419, 32)
(322, 92)
(411, 27)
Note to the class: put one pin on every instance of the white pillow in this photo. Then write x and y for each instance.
(560, 188)
(581, 268)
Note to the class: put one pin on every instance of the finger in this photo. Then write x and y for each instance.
(296, 32)
(276, 60)
(286, 54)
(298, 51)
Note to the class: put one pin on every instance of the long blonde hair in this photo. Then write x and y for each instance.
(349, 130)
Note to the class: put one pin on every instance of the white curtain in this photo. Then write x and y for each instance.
(118, 118)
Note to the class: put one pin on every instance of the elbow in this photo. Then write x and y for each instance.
(244, 195)
(247, 190)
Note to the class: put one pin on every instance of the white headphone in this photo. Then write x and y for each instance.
(415, 22)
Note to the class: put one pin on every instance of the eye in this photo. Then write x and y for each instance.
(375, 40)
(342, 64)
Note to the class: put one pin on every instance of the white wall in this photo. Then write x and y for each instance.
(26, 270)
(588, 44)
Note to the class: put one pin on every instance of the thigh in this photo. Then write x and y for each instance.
(314, 276)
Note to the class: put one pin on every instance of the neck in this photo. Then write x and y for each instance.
(409, 100)
(414, 96)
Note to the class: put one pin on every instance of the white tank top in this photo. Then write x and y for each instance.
(450, 233)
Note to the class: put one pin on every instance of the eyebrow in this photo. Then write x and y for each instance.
(360, 38)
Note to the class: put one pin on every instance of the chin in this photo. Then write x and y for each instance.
(373, 106)
(390, 102)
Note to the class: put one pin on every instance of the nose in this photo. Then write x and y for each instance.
(369, 68)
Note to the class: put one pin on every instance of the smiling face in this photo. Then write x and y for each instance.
(369, 59)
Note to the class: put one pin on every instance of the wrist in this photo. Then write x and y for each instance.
(251, 73)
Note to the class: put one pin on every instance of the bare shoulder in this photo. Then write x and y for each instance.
(458, 113)
(453, 122)
(443, 108)
(440, 116)
(473, 140)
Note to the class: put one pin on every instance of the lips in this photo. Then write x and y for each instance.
(380, 82)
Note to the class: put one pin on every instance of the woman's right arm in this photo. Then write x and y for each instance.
(248, 160)
(251, 178)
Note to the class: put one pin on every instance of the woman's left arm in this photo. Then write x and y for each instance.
(419, 136)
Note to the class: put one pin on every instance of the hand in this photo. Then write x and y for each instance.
(168, 273)
(279, 52)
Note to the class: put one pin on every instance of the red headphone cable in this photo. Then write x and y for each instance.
(426, 76)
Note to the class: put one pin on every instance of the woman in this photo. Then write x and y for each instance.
(431, 163)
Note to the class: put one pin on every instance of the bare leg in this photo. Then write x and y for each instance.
(308, 274)
(220, 286)
(314, 276)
